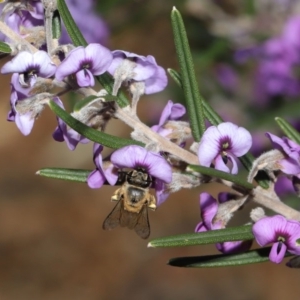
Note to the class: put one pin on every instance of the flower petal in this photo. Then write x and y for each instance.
(266, 229)
(234, 247)
(46, 67)
(209, 146)
(100, 57)
(209, 208)
(293, 228)
(24, 122)
(95, 179)
(161, 195)
(19, 64)
(241, 142)
(220, 165)
(71, 64)
(157, 82)
(136, 156)
(277, 252)
(85, 78)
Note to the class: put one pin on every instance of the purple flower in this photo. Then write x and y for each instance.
(18, 19)
(155, 165)
(290, 36)
(30, 66)
(170, 112)
(289, 165)
(84, 63)
(226, 76)
(222, 144)
(98, 177)
(140, 69)
(78, 9)
(281, 232)
(275, 74)
(23, 121)
(209, 209)
(69, 135)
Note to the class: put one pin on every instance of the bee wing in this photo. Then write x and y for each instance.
(142, 227)
(113, 219)
(128, 219)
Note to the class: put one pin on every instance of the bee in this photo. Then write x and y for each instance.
(133, 199)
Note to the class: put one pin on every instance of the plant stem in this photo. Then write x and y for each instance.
(164, 144)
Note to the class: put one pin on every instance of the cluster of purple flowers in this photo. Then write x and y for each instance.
(278, 58)
(35, 74)
(30, 14)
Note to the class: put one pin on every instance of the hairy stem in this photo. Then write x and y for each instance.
(164, 144)
(270, 200)
(17, 39)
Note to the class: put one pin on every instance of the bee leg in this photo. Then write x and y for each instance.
(117, 195)
(152, 202)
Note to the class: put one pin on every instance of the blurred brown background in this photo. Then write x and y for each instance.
(52, 245)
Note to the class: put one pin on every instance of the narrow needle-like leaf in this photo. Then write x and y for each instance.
(288, 129)
(188, 77)
(65, 174)
(203, 238)
(212, 261)
(220, 174)
(92, 134)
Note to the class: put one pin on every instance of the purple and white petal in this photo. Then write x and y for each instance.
(267, 229)
(209, 146)
(19, 64)
(220, 164)
(161, 194)
(45, 66)
(111, 174)
(234, 247)
(284, 144)
(100, 57)
(97, 157)
(201, 227)
(241, 142)
(144, 68)
(232, 159)
(96, 179)
(71, 64)
(85, 78)
(157, 82)
(277, 252)
(136, 156)
(24, 122)
(293, 228)
(290, 166)
(209, 208)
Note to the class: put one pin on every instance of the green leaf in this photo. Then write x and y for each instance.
(4, 48)
(175, 76)
(288, 129)
(203, 238)
(188, 77)
(211, 261)
(77, 38)
(82, 103)
(56, 25)
(220, 174)
(92, 134)
(72, 29)
(65, 174)
(107, 82)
